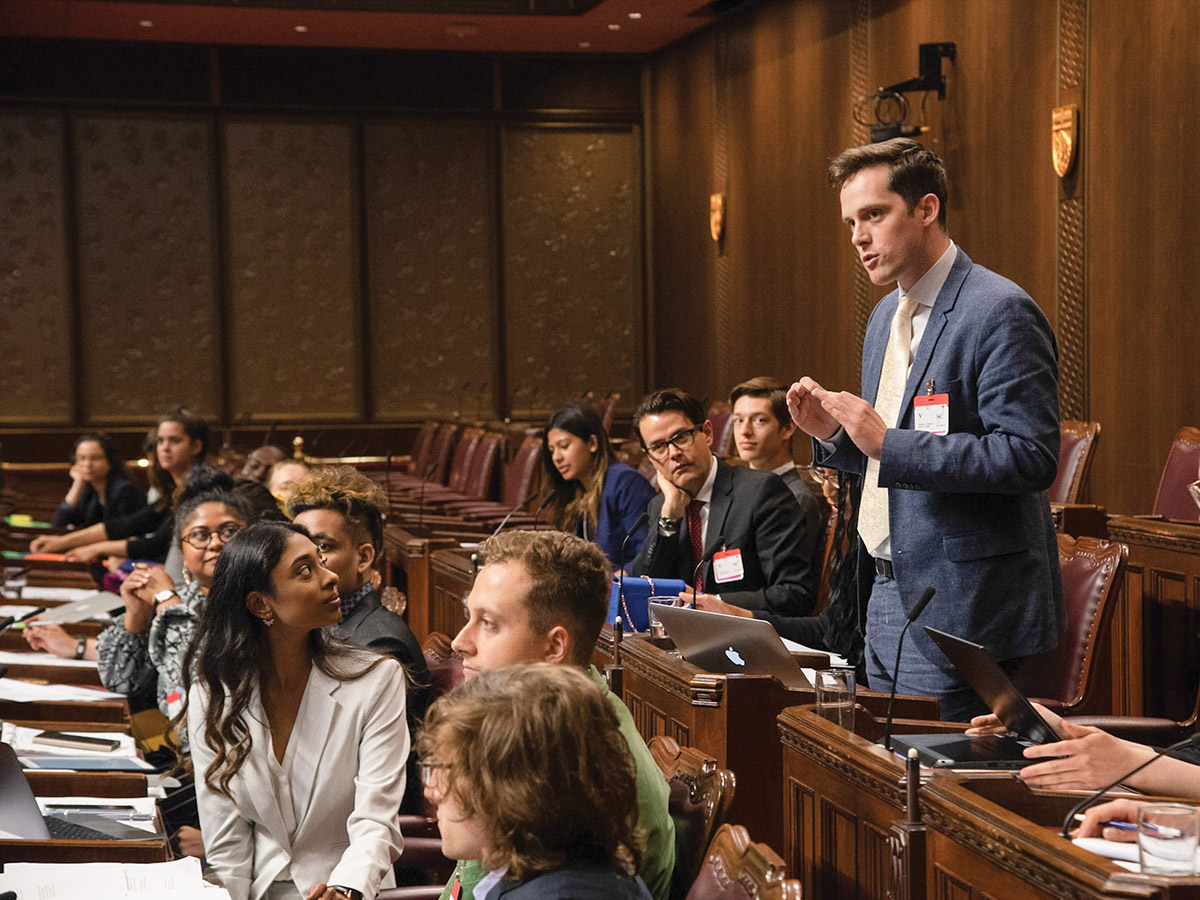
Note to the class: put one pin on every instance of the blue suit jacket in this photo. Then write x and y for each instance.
(968, 510)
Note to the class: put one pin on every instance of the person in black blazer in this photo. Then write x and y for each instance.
(748, 524)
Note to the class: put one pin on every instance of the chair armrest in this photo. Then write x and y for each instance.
(1142, 729)
(418, 826)
(422, 853)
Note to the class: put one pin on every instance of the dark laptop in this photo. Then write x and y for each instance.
(730, 645)
(23, 819)
(1012, 708)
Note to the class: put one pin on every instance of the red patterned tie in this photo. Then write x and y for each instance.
(695, 535)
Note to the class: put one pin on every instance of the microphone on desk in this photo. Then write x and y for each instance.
(637, 525)
(6, 622)
(911, 616)
(3, 671)
(707, 557)
(512, 512)
(1096, 796)
(421, 499)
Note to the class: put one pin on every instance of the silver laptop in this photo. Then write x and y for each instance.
(730, 645)
(23, 819)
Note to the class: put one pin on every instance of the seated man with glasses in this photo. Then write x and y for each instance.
(739, 531)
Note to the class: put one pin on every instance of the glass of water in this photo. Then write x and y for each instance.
(836, 695)
(1167, 836)
(656, 627)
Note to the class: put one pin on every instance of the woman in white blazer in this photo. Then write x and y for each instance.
(298, 742)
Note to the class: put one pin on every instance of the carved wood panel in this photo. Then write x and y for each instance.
(35, 294)
(947, 887)
(147, 266)
(800, 832)
(875, 864)
(293, 260)
(839, 849)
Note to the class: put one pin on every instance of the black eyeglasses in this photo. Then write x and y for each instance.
(681, 440)
(200, 537)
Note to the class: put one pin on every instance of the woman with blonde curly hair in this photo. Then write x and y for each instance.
(532, 777)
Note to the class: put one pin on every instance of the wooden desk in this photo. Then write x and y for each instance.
(15, 640)
(452, 572)
(730, 718)
(153, 849)
(78, 675)
(1156, 629)
(86, 784)
(66, 711)
(409, 553)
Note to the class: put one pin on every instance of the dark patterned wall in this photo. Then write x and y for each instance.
(572, 264)
(294, 313)
(147, 255)
(35, 309)
(429, 195)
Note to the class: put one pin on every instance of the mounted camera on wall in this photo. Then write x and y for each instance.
(886, 110)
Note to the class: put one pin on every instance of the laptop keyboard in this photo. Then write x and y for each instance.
(62, 830)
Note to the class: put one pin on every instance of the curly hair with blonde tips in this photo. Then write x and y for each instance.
(348, 491)
(534, 756)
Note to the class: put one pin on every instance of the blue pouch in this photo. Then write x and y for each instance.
(633, 603)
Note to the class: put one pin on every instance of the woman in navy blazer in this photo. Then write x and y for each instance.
(298, 742)
(594, 496)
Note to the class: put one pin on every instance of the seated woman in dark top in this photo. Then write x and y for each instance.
(595, 497)
(181, 440)
(100, 489)
(531, 776)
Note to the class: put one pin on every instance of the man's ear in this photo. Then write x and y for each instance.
(929, 206)
(256, 602)
(365, 557)
(558, 645)
(786, 429)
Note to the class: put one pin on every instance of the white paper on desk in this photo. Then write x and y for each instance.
(55, 594)
(834, 660)
(17, 612)
(42, 658)
(26, 692)
(95, 604)
(143, 806)
(109, 881)
(21, 740)
(1123, 853)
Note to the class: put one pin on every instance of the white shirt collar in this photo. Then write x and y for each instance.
(489, 881)
(929, 285)
(705, 493)
(784, 469)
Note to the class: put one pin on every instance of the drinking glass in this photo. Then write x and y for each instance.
(1167, 834)
(836, 695)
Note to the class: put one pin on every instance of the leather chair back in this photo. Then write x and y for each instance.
(440, 454)
(721, 417)
(482, 472)
(521, 470)
(1077, 447)
(1075, 677)
(607, 410)
(1174, 501)
(422, 451)
(699, 803)
(460, 463)
(737, 868)
(445, 669)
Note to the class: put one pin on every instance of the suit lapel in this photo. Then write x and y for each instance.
(722, 499)
(258, 776)
(938, 316)
(310, 735)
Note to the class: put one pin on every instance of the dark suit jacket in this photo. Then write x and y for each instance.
(968, 510)
(757, 514)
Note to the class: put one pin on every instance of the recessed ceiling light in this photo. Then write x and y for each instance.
(302, 29)
(146, 23)
(635, 15)
(585, 45)
(614, 27)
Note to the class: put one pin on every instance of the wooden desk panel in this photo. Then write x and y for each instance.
(86, 784)
(1156, 629)
(452, 572)
(409, 551)
(147, 851)
(66, 711)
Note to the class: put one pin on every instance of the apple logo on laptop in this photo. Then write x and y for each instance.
(735, 657)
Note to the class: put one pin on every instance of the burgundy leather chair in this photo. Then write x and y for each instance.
(721, 417)
(1173, 500)
(701, 794)
(737, 868)
(1076, 449)
(1076, 676)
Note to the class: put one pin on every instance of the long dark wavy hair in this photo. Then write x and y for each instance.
(843, 620)
(571, 502)
(230, 646)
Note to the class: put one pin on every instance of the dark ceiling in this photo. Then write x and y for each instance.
(540, 26)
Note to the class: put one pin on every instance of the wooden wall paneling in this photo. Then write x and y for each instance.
(429, 189)
(571, 200)
(149, 309)
(35, 286)
(293, 261)
(1144, 183)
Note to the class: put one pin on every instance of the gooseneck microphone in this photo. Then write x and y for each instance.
(421, 498)
(1096, 796)
(512, 512)
(911, 616)
(634, 529)
(707, 557)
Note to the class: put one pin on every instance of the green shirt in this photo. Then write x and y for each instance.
(654, 820)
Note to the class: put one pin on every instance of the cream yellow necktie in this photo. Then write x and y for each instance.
(873, 509)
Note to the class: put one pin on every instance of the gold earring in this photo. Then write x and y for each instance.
(268, 619)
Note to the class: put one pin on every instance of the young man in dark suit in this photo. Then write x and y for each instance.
(739, 531)
(956, 433)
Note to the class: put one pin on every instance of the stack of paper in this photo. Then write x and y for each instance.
(21, 740)
(180, 880)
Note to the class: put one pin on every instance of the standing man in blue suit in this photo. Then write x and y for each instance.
(956, 434)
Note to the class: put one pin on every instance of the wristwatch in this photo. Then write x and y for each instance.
(347, 892)
(80, 645)
(163, 596)
(667, 526)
